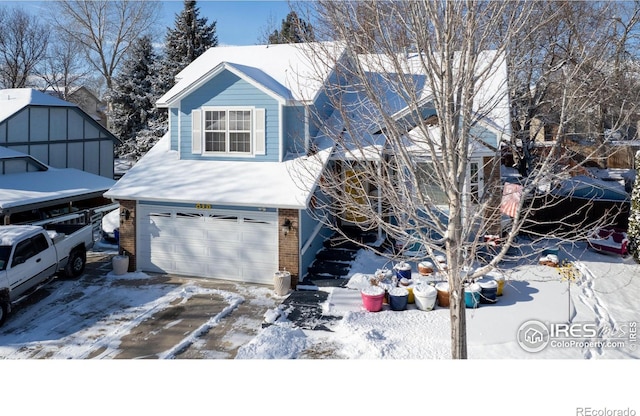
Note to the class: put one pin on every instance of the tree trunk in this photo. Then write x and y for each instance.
(455, 261)
(457, 313)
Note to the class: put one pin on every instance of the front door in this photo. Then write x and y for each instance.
(357, 190)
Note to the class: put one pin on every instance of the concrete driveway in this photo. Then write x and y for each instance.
(135, 316)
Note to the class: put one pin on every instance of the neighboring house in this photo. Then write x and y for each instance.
(31, 191)
(230, 191)
(56, 132)
(85, 99)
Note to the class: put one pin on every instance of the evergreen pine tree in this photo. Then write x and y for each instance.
(633, 231)
(191, 36)
(133, 97)
(293, 30)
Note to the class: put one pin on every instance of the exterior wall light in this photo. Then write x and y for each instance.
(286, 226)
(125, 214)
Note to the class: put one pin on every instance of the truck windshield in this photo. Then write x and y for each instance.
(5, 251)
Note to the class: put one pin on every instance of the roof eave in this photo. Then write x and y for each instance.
(122, 197)
(175, 99)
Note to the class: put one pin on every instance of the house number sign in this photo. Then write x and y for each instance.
(203, 206)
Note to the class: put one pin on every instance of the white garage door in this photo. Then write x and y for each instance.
(225, 244)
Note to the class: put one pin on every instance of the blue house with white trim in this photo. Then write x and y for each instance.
(231, 191)
(218, 195)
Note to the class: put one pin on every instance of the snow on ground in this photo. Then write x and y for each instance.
(61, 330)
(367, 352)
(605, 297)
(395, 359)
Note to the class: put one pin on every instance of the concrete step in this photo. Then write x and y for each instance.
(329, 268)
(336, 255)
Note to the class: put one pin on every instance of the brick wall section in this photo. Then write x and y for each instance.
(128, 232)
(288, 245)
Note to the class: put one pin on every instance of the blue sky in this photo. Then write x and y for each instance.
(239, 22)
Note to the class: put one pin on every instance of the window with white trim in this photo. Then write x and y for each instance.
(228, 131)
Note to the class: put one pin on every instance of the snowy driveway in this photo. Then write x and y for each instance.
(135, 315)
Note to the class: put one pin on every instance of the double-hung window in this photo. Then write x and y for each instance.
(227, 131)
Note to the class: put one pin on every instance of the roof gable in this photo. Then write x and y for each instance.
(253, 76)
(491, 101)
(13, 100)
(286, 71)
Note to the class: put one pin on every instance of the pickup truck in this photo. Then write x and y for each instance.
(31, 255)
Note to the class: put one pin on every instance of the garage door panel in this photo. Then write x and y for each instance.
(249, 236)
(259, 248)
(188, 247)
(221, 252)
(226, 244)
(224, 270)
(223, 236)
(257, 262)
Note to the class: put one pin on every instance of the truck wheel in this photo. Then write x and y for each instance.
(76, 263)
(4, 311)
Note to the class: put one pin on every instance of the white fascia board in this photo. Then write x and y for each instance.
(312, 191)
(280, 132)
(279, 98)
(222, 203)
(406, 110)
(171, 102)
(263, 204)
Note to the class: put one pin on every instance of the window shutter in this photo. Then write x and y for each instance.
(196, 132)
(259, 132)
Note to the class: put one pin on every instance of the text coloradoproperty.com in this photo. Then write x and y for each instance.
(586, 344)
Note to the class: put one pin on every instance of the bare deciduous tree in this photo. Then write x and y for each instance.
(64, 68)
(417, 133)
(105, 28)
(23, 43)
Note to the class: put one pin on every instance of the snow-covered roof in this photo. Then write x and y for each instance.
(161, 175)
(13, 100)
(288, 70)
(416, 143)
(491, 100)
(29, 188)
(585, 187)
(6, 153)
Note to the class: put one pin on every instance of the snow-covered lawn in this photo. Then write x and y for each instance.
(504, 379)
(604, 297)
(370, 360)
